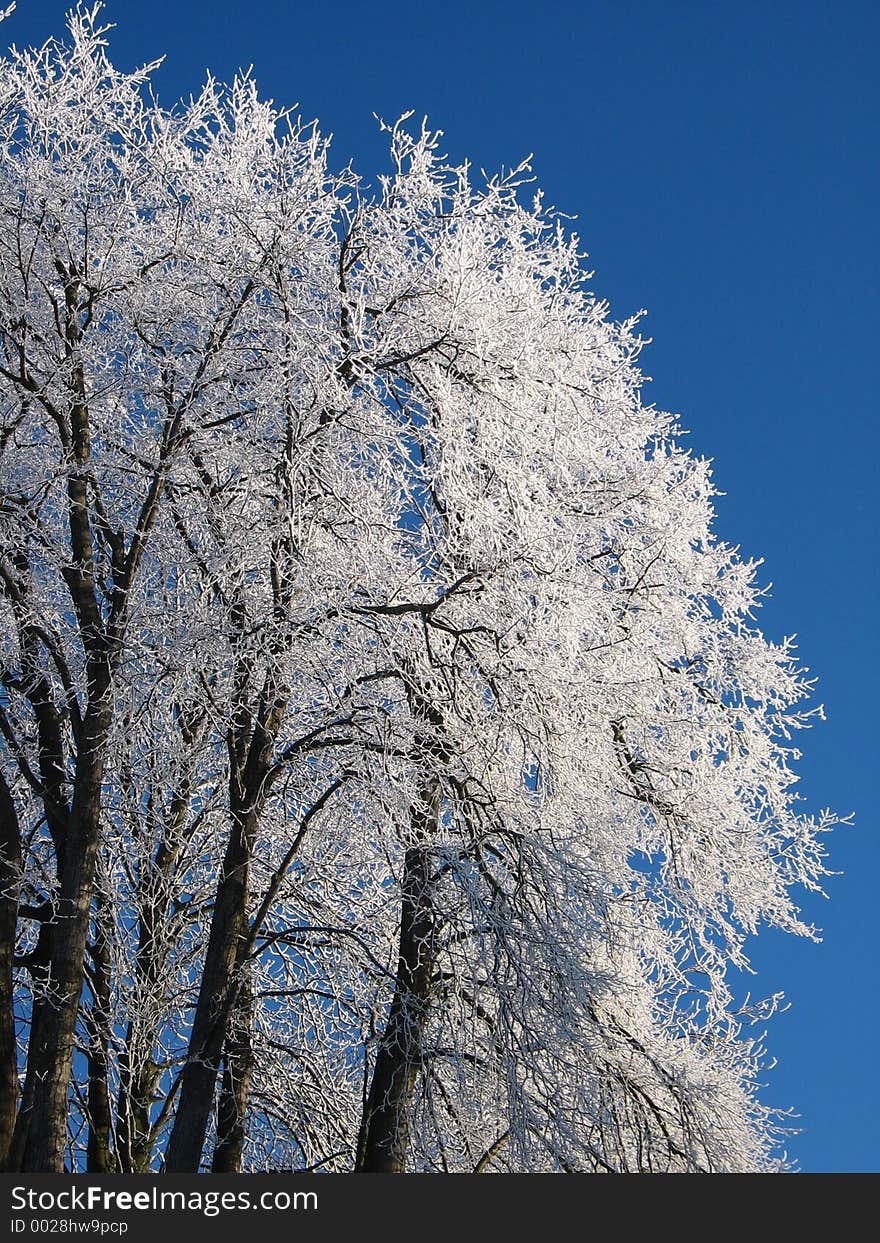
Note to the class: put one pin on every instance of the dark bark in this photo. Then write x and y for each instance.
(51, 766)
(383, 1139)
(251, 753)
(384, 1133)
(41, 1128)
(99, 1156)
(238, 1064)
(50, 1050)
(38, 963)
(10, 870)
(215, 1001)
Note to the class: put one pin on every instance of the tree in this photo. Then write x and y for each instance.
(391, 770)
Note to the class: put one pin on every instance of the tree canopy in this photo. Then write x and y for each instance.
(391, 767)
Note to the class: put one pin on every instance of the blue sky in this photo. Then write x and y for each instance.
(722, 162)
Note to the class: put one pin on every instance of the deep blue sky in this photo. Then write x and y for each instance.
(722, 160)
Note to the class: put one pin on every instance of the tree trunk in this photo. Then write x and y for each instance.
(138, 1073)
(384, 1133)
(38, 965)
(10, 868)
(52, 769)
(238, 1064)
(216, 998)
(50, 1050)
(99, 1158)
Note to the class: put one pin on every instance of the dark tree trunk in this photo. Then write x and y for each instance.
(41, 1125)
(384, 1133)
(238, 1063)
(51, 762)
(99, 1157)
(42, 1131)
(10, 868)
(215, 1001)
(251, 758)
(38, 962)
(52, 1035)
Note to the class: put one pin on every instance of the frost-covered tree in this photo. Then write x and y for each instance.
(391, 769)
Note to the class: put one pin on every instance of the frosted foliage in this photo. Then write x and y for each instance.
(356, 490)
